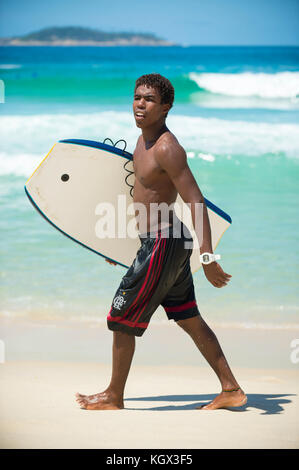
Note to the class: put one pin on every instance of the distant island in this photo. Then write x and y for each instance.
(79, 36)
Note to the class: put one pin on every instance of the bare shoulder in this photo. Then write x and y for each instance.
(138, 140)
(137, 145)
(168, 148)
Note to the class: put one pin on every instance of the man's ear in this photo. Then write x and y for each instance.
(166, 108)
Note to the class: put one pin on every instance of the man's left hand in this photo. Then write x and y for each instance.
(215, 274)
(110, 261)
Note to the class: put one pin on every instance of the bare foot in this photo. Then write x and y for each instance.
(100, 401)
(226, 400)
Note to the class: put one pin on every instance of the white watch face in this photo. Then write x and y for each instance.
(205, 258)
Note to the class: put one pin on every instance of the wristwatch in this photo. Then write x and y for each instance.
(207, 258)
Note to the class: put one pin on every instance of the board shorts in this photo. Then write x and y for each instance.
(159, 275)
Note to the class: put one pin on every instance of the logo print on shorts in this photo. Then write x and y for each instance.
(118, 302)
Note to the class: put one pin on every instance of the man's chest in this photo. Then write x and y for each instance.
(147, 170)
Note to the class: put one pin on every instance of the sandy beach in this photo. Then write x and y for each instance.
(235, 79)
(45, 365)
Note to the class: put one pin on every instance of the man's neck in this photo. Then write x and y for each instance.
(151, 135)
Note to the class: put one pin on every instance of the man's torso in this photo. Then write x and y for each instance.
(152, 184)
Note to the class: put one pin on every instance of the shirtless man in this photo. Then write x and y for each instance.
(160, 273)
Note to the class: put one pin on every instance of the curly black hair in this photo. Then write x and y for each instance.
(160, 83)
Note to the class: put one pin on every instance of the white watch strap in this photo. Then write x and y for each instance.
(212, 257)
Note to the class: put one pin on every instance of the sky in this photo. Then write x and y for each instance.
(186, 22)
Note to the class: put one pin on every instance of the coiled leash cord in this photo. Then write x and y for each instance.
(125, 164)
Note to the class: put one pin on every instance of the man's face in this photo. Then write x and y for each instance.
(147, 106)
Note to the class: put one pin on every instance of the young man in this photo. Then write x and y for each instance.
(160, 273)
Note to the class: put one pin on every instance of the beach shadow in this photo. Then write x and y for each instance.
(268, 404)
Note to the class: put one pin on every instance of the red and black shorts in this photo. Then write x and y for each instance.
(159, 275)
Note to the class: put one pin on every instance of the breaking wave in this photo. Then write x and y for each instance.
(248, 84)
(25, 140)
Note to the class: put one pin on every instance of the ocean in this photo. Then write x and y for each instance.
(236, 113)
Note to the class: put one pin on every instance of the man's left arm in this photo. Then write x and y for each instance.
(173, 159)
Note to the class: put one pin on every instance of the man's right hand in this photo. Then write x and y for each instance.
(215, 274)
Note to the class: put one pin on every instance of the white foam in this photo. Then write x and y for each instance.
(207, 157)
(214, 136)
(247, 84)
(25, 140)
(22, 164)
(10, 66)
(244, 102)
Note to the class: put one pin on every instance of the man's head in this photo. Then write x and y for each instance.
(153, 98)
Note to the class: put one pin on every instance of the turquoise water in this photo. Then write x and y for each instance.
(236, 113)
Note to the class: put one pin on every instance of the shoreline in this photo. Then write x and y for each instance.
(53, 319)
(163, 343)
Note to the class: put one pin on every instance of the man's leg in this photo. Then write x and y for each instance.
(112, 398)
(207, 343)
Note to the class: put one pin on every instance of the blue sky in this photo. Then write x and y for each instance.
(206, 22)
